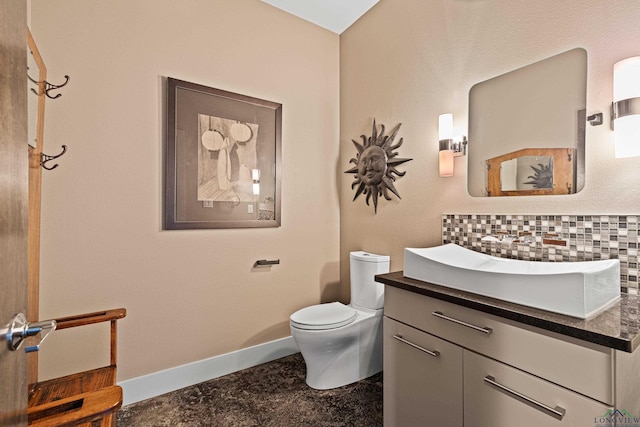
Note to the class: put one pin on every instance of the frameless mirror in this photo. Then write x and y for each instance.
(516, 118)
(36, 75)
(32, 98)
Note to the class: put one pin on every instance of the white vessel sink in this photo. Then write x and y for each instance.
(579, 289)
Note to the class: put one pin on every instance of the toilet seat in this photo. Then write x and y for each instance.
(323, 316)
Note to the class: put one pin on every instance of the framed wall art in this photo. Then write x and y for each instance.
(223, 154)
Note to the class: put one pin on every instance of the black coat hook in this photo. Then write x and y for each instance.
(44, 158)
(48, 86)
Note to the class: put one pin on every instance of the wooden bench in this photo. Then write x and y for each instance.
(87, 399)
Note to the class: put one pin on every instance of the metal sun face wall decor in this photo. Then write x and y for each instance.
(542, 176)
(375, 165)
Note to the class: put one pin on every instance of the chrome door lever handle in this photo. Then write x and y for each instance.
(19, 329)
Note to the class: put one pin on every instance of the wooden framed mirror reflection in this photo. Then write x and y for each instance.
(532, 172)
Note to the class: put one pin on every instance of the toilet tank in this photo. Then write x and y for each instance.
(365, 291)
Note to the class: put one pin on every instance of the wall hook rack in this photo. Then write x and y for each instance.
(49, 86)
(44, 158)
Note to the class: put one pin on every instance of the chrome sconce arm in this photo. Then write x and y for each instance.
(448, 148)
(459, 148)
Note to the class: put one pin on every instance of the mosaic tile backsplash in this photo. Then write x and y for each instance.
(572, 237)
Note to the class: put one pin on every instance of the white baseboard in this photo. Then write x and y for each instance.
(161, 382)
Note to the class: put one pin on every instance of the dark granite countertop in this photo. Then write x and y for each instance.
(618, 327)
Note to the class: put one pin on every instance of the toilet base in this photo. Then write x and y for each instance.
(341, 356)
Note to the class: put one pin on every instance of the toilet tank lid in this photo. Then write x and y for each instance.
(369, 257)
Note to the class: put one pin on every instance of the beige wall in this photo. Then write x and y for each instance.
(405, 61)
(410, 60)
(190, 295)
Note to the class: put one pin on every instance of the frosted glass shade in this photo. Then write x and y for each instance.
(445, 126)
(627, 136)
(626, 85)
(626, 79)
(445, 163)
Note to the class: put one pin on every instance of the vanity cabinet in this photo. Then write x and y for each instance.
(487, 371)
(423, 375)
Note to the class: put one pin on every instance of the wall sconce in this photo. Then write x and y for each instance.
(625, 110)
(449, 149)
(255, 177)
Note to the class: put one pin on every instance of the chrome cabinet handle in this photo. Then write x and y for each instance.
(557, 412)
(484, 330)
(433, 353)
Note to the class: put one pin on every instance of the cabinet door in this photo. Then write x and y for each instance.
(497, 395)
(422, 378)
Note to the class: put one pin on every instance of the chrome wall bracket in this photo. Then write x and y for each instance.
(266, 262)
(595, 119)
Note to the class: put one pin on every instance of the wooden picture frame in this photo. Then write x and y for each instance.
(223, 153)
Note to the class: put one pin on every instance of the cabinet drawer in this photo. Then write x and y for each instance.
(578, 365)
(498, 395)
(422, 378)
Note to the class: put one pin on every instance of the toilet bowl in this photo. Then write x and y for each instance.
(342, 344)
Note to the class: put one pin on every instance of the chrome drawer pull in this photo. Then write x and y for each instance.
(484, 330)
(433, 353)
(556, 412)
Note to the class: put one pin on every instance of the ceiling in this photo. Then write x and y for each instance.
(334, 15)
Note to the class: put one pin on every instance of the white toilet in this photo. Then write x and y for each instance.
(342, 344)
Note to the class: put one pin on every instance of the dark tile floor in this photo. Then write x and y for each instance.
(273, 394)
